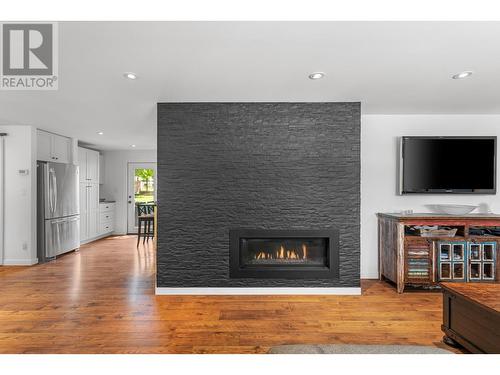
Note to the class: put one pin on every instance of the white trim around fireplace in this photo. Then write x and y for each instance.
(258, 291)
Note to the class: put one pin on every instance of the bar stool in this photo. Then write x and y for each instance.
(145, 215)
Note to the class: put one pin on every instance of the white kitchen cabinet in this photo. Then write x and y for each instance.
(88, 160)
(93, 203)
(93, 229)
(61, 148)
(93, 212)
(89, 211)
(101, 169)
(106, 227)
(53, 147)
(106, 218)
(83, 212)
(93, 166)
(44, 145)
(82, 163)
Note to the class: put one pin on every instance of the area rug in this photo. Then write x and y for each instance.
(356, 349)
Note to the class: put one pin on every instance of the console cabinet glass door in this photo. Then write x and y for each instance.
(466, 261)
(452, 261)
(488, 271)
(482, 261)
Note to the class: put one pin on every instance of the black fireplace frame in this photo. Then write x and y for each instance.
(330, 271)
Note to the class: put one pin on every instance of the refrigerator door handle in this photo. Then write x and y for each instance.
(54, 189)
(59, 221)
(49, 181)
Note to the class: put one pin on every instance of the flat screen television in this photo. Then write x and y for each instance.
(449, 165)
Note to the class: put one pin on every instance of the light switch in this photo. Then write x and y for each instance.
(24, 172)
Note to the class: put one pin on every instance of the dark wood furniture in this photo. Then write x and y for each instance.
(411, 260)
(145, 218)
(471, 316)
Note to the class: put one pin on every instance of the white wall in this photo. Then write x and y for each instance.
(379, 153)
(20, 195)
(115, 180)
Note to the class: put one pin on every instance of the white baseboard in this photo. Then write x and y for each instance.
(161, 291)
(370, 275)
(89, 240)
(19, 262)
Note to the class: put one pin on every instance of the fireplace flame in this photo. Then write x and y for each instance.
(283, 253)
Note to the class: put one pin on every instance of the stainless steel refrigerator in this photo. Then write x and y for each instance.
(58, 207)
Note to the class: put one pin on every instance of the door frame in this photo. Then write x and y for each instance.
(131, 166)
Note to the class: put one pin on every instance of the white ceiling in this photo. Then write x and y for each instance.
(391, 67)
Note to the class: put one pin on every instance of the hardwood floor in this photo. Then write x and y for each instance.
(101, 300)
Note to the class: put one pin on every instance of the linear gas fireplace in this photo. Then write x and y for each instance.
(294, 254)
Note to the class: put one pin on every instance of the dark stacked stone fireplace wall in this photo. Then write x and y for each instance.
(254, 165)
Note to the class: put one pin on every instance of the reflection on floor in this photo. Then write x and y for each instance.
(101, 300)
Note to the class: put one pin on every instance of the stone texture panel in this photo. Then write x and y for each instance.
(254, 165)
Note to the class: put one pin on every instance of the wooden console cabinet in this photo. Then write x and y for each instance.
(408, 259)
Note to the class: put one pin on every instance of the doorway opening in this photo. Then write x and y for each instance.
(142, 188)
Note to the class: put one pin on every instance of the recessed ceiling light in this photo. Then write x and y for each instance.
(130, 75)
(100, 133)
(316, 75)
(132, 145)
(461, 75)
